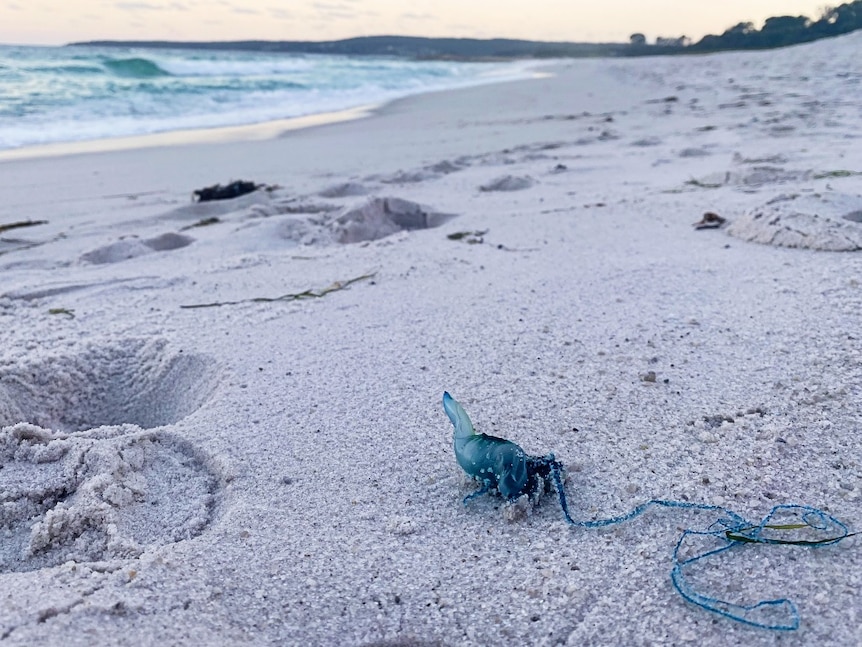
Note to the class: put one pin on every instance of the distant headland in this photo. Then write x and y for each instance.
(400, 46)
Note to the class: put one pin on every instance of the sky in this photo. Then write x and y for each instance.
(55, 22)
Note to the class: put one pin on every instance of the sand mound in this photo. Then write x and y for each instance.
(128, 248)
(132, 381)
(380, 217)
(374, 219)
(824, 221)
(93, 496)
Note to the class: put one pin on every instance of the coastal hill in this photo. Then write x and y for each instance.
(402, 46)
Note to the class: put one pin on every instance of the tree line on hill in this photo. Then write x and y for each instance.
(413, 47)
(779, 31)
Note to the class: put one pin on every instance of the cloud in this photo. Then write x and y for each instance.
(335, 10)
(331, 6)
(14, 7)
(149, 6)
(418, 16)
(279, 14)
(243, 10)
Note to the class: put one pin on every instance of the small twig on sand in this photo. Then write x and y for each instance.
(22, 223)
(62, 311)
(307, 294)
(131, 196)
(201, 223)
(705, 185)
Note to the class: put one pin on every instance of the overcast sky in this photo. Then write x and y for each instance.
(60, 21)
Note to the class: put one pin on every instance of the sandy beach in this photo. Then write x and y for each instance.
(222, 421)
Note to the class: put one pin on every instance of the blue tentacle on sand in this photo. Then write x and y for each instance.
(501, 465)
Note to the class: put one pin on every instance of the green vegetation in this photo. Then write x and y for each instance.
(781, 31)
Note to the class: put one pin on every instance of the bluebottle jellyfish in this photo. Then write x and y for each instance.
(501, 466)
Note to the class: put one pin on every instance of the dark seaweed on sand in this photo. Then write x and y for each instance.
(218, 192)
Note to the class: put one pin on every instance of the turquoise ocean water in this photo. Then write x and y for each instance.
(66, 94)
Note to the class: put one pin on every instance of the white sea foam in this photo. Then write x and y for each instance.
(207, 65)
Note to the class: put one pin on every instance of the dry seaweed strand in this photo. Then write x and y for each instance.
(835, 174)
(306, 294)
(206, 222)
(471, 237)
(62, 311)
(703, 185)
(22, 223)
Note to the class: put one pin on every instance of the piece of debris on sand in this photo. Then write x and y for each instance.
(710, 220)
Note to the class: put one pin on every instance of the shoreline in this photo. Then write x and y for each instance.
(217, 135)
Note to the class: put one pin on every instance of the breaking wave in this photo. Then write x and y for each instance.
(134, 68)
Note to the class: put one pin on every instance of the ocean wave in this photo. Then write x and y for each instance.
(57, 94)
(134, 68)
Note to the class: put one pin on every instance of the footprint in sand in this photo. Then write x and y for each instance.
(128, 248)
(446, 166)
(410, 177)
(647, 142)
(344, 190)
(693, 152)
(430, 172)
(215, 208)
(827, 221)
(84, 474)
(754, 177)
(508, 183)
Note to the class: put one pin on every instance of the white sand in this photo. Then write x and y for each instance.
(282, 472)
